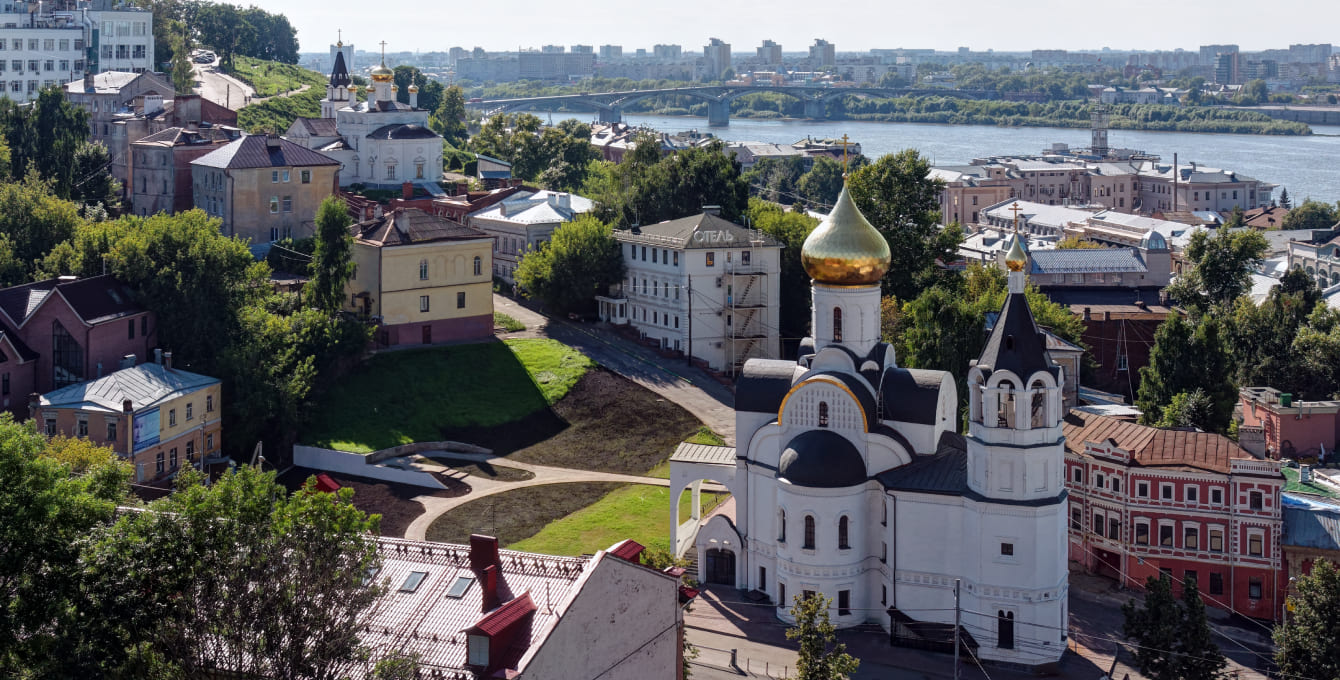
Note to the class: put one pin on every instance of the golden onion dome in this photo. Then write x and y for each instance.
(1017, 258)
(844, 250)
(381, 74)
(413, 88)
(395, 88)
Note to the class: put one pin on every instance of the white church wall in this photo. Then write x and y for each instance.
(747, 424)
(860, 316)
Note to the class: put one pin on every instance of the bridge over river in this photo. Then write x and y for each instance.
(611, 105)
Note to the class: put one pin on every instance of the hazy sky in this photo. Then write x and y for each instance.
(855, 25)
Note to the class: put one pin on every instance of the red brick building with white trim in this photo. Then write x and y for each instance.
(1194, 505)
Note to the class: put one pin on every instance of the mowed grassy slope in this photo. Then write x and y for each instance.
(411, 395)
(270, 78)
(637, 511)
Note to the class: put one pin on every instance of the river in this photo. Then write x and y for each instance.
(1305, 165)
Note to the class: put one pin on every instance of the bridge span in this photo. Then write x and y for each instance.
(609, 106)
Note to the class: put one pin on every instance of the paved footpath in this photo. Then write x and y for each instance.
(698, 393)
(480, 486)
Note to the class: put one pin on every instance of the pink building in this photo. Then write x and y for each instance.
(1193, 506)
(64, 331)
(1275, 425)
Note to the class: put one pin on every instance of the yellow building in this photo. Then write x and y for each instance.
(264, 187)
(158, 418)
(422, 278)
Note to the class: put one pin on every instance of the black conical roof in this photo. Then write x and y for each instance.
(1016, 345)
(339, 74)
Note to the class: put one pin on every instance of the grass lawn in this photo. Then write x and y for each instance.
(487, 470)
(513, 515)
(507, 323)
(271, 77)
(638, 511)
(569, 519)
(1291, 475)
(412, 395)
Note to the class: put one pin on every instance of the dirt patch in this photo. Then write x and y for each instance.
(394, 502)
(606, 423)
(501, 473)
(515, 515)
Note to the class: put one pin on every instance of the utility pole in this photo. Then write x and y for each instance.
(689, 355)
(957, 614)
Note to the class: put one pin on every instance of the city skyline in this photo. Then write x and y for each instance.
(1044, 24)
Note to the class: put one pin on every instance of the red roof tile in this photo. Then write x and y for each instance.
(1152, 446)
(627, 549)
(506, 617)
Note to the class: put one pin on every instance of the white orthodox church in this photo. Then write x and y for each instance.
(381, 142)
(851, 480)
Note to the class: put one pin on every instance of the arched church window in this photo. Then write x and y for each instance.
(1004, 629)
(781, 526)
(823, 414)
(479, 264)
(837, 324)
(843, 523)
(809, 533)
(423, 270)
(1005, 416)
(1039, 405)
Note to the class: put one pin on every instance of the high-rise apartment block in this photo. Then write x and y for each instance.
(716, 59)
(823, 53)
(52, 43)
(770, 53)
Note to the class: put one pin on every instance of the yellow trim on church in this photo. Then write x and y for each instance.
(865, 422)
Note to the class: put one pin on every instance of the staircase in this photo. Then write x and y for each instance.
(691, 562)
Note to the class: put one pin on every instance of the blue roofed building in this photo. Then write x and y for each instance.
(1311, 531)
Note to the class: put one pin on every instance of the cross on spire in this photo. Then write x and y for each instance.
(339, 37)
(1016, 210)
(844, 154)
(383, 44)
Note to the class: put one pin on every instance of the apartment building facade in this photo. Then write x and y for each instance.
(52, 42)
(160, 166)
(1192, 506)
(157, 418)
(700, 285)
(264, 187)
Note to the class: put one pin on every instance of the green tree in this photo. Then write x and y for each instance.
(45, 136)
(582, 261)
(183, 73)
(430, 91)
(822, 184)
(790, 229)
(34, 220)
(1188, 356)
(567, 155)
(775, 179)
(48, 512)
(1200, 657)
(96, 186)
(1188, 409)
(821, 656)
(277, 579)
(1262, 337)
(1155, 627)
(1076, 243)
(332, 260)
(896, 194)
(646, 188)
(448, 118)
(1307, 647)
(1221, 271)
(1285, 201)
(1311, 215)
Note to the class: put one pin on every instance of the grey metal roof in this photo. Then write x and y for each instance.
(144, 385)
(1077, 261)
(263, 151)
(1015, 343)
(763, 384)
(822, 459)
(946, 472)
(402, 131)
(1314, 526)
(703, 453)
(703, 231)
(911, 395)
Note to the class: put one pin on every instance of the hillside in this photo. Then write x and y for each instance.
(270, 78)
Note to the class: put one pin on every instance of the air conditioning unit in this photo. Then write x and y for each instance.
(717, 344)
(718, 282)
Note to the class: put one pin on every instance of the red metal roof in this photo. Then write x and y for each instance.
(325, 483)
(627, 550)
(505, 618)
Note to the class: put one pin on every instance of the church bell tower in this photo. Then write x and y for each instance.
(338, 94)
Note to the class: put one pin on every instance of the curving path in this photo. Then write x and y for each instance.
(480, 487)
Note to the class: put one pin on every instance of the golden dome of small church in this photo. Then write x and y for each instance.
(845, 250)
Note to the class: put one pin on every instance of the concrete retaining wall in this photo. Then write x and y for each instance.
(419, 447)
(358, 465)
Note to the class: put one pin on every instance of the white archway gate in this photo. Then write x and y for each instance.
(690, 466)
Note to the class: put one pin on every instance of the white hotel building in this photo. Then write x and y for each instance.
(700, 285)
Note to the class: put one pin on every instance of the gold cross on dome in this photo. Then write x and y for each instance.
(844, 154)
(1016, 210)
(383, 44)
(339, 37)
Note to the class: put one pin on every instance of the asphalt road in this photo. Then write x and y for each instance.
(220, 88)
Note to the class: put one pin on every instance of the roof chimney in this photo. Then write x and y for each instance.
(88, 82)
(127, 407)
(407, 190)
(272, 141)
(167, 360)
(127, 361)
(488, 580)
(483, 552)
(158, 356)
